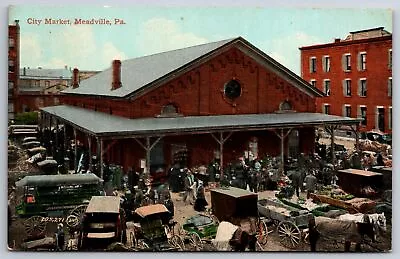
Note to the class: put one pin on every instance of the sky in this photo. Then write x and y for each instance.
(279, 32)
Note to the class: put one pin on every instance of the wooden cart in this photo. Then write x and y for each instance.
(290, 221)
(239, 207)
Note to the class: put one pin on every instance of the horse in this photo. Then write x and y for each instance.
(230, 237)
(335, 229)
(377, 219)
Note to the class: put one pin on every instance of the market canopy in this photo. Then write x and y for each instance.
(103, 124)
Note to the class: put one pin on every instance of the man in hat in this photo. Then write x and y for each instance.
(60, 238)
(311, 184)
(189, 186)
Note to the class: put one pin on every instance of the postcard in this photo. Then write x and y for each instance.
(162, 129)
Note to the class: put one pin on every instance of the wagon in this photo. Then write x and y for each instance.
(54, 199)
(239, 207)
(200, 228)
(151, 230)
(290, 221)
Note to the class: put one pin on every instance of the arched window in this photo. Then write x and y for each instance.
(169, 110)
(285, 106)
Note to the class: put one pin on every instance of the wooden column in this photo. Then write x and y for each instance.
(101, 160)
(75, 152)
(148, 147)
(89, 138)
(281, 135)
(221, 141)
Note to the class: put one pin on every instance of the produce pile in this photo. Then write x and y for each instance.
(374, 146)
(335, 193)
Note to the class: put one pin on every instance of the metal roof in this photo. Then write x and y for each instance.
(43, 74)
(140, 73)
(103, 204)
(103, 124)
(57, 180)
(235, 192)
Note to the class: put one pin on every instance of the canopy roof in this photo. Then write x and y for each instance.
(103, 124)
(103, 204)
(58, 180)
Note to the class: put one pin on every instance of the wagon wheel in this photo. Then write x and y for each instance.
(133, 239)
(142, 245)
(75, 216)
(195, 240)
(289, 233)
(306, 236)
(214, 218)
(262, 233)
(177, 242)
(35, 226)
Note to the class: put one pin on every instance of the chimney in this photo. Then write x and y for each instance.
(337, 40)
(24, 73)
(116, 70)
(75, 78)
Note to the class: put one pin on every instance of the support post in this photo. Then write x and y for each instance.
(101, 160)
(282, 137)
(221, 141)
(90, 152)
(148, 156)
(333, 158)
(355, 130)
(65, 136)
(75, 152)
(56, 134)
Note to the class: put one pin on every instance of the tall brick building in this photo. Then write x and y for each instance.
(219, 100)
(356, 76)
(13, 67)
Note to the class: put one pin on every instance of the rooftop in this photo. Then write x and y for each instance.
(103, 124)
(44, 73)
(367, 34)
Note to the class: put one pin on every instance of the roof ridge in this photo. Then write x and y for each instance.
(189, 47)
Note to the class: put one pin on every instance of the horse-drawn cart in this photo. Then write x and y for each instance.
(290, 221)
(239, 207)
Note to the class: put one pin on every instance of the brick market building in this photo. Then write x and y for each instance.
(219, 100)
(356, 75)
(13, 67)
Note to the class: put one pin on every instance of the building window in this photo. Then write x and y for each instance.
(362, 61)
(347, 87)
(390, 118)
(362, 87)
(313, 82)
(327, 87)
(363, 115)
(390, 59)
(313, 64)
(326, 63)
(11, 42)
(346, 62)
(285, 106)
(347, 110)
(10, 84)
(326, 108)
(47, 84)
(232, 89)
(10, 65)
(390, 87)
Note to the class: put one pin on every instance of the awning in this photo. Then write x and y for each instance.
(103, 124)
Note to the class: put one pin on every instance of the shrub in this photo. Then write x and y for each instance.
(26, 118)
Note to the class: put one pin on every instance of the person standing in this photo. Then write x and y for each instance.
(189, 186)
(296, 181)
(311, 184)
(201, 202)
(60, 238)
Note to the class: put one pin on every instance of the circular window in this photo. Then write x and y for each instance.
(232, 89)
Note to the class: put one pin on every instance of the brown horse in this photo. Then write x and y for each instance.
(334, 229)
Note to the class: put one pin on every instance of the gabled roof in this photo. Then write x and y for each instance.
(43, 74)
(142, 73)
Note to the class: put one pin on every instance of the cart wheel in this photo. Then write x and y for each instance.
(196, 242)
(178, 230)
(35, 226)
(143, 245)
(75, 216)
(214, 218)
(306, 236)
(177, 242)
(133, 239)
(289, 233)
(262, 233)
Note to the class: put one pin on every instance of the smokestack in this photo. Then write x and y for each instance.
(337, 40)
(24, 73)
(116, 70)
(75, 78)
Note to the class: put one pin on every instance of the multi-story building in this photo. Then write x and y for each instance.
(356, 76)
(40, 87)
(13, 67)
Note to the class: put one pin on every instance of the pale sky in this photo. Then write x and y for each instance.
(279, 32)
